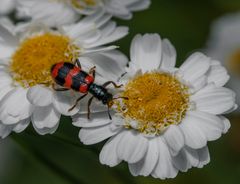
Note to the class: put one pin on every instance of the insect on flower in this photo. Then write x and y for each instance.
(70, 76)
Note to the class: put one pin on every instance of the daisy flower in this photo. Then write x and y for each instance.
(224, 45)
(7, 6)
(26, 57)
(168, 114)
(53, 12)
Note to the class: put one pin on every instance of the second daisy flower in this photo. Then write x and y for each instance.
(169, 115)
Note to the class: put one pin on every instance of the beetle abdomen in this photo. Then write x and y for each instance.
(60, 71)
(78, 82)
(71, 77)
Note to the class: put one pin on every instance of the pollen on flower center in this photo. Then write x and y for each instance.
(155, 101)
(234, 62)
(32, 61)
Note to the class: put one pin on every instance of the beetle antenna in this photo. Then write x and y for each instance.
(121, 97)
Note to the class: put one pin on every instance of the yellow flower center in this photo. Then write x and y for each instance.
(234, 62)
(155, 101)
(32, 61)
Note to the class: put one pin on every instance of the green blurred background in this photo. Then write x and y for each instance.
(61, 159)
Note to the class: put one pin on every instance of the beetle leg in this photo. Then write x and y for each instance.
(78, 63)
(44, 83)
(113, 83)
(59, 89)
(92, 71)
(89, 104)
(109, 115)
(77, 101)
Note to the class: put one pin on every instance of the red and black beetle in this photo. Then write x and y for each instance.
(72, 77)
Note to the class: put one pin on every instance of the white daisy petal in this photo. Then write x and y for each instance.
(92, 33)
(145, 166)
(235, 107)
(195, 67)
(204, 157)
(129, 2)
(215, 100)
(10, 113)
(96, 107)
(5, 84)
(99, 49)
(134, 49)
(97, 119)
(45, 118)
(63, 101)
(186, 159)
(94, 17)
(192, 157)
(199, 83)
(122, 9)
(21, 125)
(7, 6)
(211, 125)
(118, 9)
(117, 56)
(208, 88)
(8, 24)
(146, 51)
(118, 33)
(194, 136)
(40, 96)
(5, 77)
(86, 30)
(108, 28)
(6, 52)
(103, 20)
(108, 155)
(169, 55)
(45, 131)
(139, 5)
(174, 139)
(5, 130)
(226, 123)
(54, 13)
(99, 16)
(7, 42)
(164, 168)
(96, 134)
(112, 61)
(218, 74)
(180, 161)
(132, 147)
(7, 37)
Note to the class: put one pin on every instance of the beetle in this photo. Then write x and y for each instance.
(71, 76)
